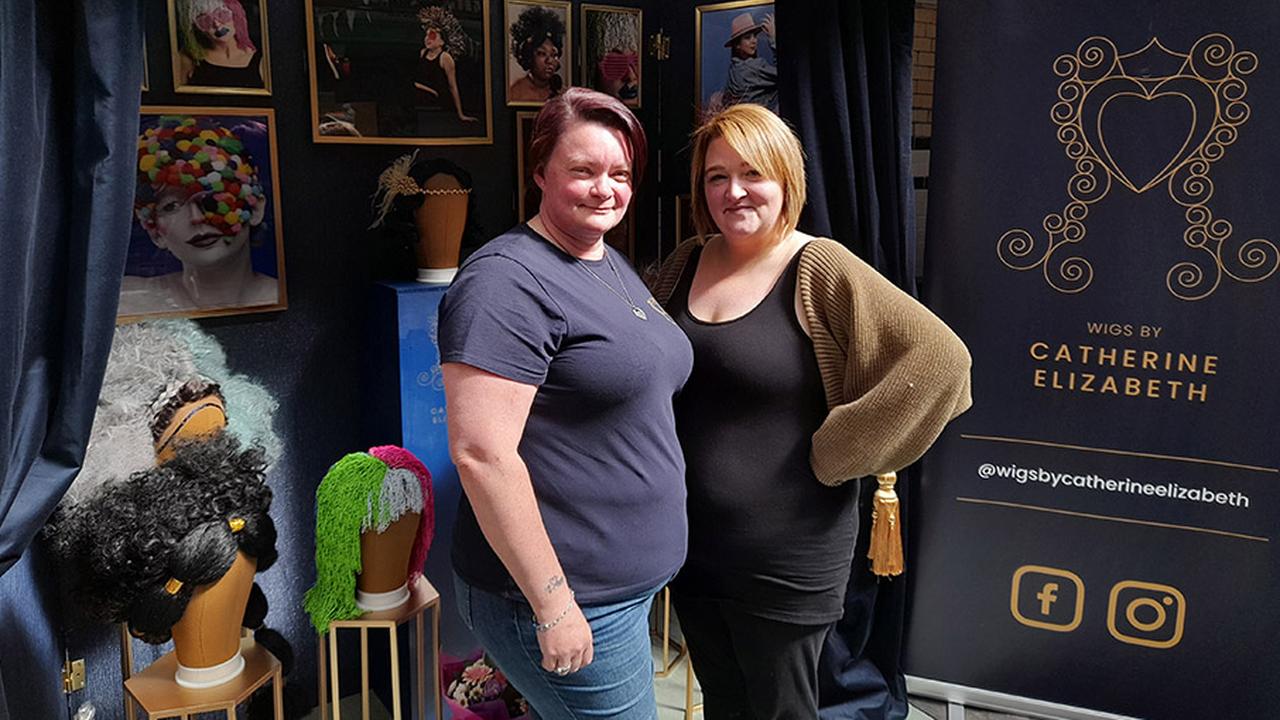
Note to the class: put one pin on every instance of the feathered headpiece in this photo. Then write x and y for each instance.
(398, 181)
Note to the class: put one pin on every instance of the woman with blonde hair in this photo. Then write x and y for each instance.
(810, 370)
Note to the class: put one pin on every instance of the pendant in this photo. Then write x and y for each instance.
(638, 312)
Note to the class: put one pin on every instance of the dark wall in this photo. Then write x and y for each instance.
(313, 356)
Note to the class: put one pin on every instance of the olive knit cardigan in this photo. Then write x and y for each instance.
(893, 373)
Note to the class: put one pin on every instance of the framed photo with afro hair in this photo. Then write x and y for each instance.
(539, 46)
(206, 238)
(219, 47)
(400, 72)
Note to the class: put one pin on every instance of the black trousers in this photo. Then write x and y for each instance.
(751, 668)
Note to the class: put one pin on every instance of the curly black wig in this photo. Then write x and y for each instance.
(181, 521)
(535, 26)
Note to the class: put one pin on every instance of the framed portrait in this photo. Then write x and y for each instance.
(612, 44)
(219, 47)
(529, 196)
(400, 73)
(734, 60)
(206, 237)
(539, 44)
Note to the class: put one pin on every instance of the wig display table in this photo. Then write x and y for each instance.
(422, 597)
(664, 636)
(159, 695)
(668, 663)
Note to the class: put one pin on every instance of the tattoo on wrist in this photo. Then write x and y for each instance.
(554, 583)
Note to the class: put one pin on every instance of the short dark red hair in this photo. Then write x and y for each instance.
(577, 105)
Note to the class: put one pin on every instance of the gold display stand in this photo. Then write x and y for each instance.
(689, 707)
(160, 696)
(422, 597)
(669, 664)
(664, 636)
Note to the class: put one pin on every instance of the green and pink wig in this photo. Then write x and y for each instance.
(364, 491)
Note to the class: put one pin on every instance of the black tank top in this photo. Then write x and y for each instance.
(249, 76)
(763, 532)
(433, 76)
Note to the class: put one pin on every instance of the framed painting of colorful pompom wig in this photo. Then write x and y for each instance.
(206, 238)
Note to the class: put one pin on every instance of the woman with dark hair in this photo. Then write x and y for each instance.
(537, 42)
(811, 370)
(436, 76)
(559, 372)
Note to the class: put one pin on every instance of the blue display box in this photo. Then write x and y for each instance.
(408, 409)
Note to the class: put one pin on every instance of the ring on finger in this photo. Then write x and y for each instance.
(563, 670)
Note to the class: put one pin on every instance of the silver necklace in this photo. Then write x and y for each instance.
(624, 296)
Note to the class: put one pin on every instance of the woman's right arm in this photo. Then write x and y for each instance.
(487, 415)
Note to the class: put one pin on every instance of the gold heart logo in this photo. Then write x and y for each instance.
(1143, 132)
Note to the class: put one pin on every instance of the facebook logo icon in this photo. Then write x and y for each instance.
(1047, 598)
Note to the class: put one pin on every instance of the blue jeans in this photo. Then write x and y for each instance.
(617, 684)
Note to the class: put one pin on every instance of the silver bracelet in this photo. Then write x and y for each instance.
(543, 627)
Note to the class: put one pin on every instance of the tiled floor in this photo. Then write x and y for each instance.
(670, 693)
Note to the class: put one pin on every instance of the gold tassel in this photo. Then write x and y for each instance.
(886, 529)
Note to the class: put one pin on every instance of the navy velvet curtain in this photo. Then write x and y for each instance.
(70, 81)
(845, 74)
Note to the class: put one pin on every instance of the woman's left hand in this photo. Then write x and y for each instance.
(567, 647)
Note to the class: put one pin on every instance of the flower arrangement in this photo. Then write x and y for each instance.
(477, 690)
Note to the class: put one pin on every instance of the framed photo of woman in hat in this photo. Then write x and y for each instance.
(736, 56)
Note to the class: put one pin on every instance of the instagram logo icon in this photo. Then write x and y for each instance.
(1146, 614)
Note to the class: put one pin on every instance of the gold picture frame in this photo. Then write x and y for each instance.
(527, 193)
(714, 25)
(152, 286)
(606, 69)
(185, 66)
(351, 58)
(520, 88)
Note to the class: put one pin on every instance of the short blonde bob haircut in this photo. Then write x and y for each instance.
(767, 144)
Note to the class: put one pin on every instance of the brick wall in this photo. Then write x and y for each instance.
(923, 64)
(922, 68)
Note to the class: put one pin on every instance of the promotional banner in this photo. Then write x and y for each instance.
(1099, 529)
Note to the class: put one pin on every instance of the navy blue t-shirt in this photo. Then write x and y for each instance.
(600, 442)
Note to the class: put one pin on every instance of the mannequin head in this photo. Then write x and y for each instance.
(143, 546)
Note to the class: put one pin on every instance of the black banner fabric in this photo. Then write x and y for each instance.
(1099, 530)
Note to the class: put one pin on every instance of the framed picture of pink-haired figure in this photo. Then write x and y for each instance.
(206, 237)
(219, 47)
(611, 57)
